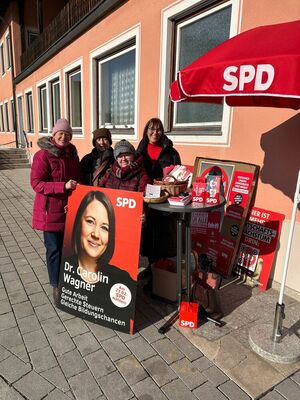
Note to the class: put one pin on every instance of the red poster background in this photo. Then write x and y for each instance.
(261, 233)
(128, 226)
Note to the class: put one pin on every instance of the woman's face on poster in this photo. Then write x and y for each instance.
(94, 230)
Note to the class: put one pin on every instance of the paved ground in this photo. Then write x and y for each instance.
(48, 354)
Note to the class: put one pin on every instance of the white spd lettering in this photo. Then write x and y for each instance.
(262, 75)
(189, 324)
(125, 202)
(211, 200)
(199, 199)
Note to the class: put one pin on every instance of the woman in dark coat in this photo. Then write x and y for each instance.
(159, 239)
(54, 173)
(96, 163)
(157, 149)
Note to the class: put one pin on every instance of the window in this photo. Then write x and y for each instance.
(55, 101)
(8, 51)
(2, 59)
(1, 118)
(188, 34)
(12, 109)
(114, 92)
(43, 115)
(29, 107)
(74, 99)
(191, 45)
(117, 90)
(6, 117)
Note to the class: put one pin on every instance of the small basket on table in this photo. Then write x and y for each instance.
(171, 185)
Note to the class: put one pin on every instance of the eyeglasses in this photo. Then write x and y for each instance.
(125, 155)
(158, 130)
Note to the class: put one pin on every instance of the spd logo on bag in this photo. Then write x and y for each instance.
(188, 315)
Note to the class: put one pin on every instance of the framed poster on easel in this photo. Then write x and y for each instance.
(218, 233)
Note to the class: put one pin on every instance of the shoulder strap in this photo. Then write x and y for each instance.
(98, 171)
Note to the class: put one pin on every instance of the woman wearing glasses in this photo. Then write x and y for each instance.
(159, 239)
(127, 172)
(157, 149)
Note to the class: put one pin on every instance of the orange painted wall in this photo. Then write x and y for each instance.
(268, 137)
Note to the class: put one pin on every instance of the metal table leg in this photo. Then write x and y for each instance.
(163, 329)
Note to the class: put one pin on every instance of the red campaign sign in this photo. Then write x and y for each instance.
(240, 188)
(226, 249)
(217, 170)
(205, 224)
(258, 244)
(98, 274)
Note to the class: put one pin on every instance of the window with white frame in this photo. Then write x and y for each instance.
(193, 33)
(74, 101)
(2, 59)
(29, 109)
(13, 114)
(55, 107)
(6, 117)
(1, 118)
(8, 52)
(43, 108)
(117, 89)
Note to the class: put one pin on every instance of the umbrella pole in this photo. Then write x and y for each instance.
(279, 312)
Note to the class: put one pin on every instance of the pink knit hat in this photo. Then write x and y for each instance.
(62, 125)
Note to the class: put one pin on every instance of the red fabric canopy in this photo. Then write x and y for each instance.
(259, 67)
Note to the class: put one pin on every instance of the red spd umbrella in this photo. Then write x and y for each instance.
(259, 67)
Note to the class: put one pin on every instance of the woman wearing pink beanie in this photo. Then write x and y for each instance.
(55, 172)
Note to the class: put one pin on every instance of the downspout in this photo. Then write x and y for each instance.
(13, 87)
(12, 81)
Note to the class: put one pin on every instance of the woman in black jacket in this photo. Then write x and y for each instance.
(96, 163)
(157, 149)
(159, 236)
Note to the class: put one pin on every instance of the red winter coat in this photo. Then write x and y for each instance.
(133, 177)
(51, 168)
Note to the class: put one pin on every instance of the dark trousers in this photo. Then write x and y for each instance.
(53, 243)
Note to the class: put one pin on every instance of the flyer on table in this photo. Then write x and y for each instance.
(98, 275)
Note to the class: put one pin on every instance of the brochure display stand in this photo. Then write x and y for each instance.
(217, 234)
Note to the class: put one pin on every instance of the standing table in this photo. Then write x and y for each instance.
(183, 217)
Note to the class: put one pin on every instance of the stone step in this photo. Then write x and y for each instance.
(14, 166)
(12, 151)
(11, 158)
(14, 161)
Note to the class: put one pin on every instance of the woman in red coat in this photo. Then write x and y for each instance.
(54, 173)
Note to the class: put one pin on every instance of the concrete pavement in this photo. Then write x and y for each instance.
(48, 354)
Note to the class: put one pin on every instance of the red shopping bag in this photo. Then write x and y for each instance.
(188, 315)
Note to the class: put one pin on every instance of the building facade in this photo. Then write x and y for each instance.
(110, 63)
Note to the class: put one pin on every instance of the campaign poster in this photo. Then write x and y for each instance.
(225, 171)
(258, 245)
(98, 274)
